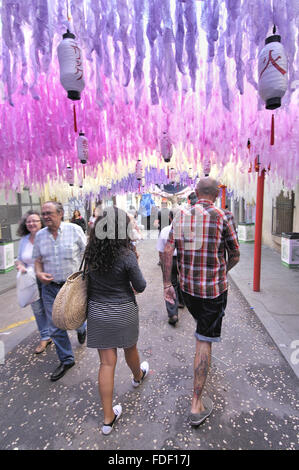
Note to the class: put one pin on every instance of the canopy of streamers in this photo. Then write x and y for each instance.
(185, 67)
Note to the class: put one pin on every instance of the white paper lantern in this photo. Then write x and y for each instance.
(143, 182)
(108, 184)
(190, 173)
(166, 147)
(172, 175)
(71, 66)
(70, 176)
(82, 147)
(272, 72)
(206, 166)
(139, 170)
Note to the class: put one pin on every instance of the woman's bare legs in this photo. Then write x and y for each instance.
(133, 361)
(108, 359)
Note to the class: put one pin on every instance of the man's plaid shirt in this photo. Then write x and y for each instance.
(200, 234)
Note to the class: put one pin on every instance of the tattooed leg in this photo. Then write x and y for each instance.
(202, 361)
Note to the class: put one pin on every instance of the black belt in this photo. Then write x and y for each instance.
(58, 284)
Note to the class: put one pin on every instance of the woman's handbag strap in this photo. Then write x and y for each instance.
(83, 264)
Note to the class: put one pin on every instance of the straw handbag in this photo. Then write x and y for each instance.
(70, 305)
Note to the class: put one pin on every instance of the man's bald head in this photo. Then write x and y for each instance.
(207, 188)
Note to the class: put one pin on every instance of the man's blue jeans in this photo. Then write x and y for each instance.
(60, 337)
(41, 319)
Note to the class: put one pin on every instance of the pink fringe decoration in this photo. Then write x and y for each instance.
(211, 103)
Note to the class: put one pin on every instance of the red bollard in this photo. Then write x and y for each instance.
(223, 196)
(258, 231)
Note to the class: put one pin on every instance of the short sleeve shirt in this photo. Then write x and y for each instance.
(60, 257)
(201, 234)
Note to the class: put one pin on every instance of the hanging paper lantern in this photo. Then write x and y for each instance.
(71, 66)
(82, 147)
(139, 170)
(206, 166)
(166, 147)
(143, 182)
(70, 177)
(108, 184)
(172, 175)
(190, 173)
(177, 178)
(272, 72)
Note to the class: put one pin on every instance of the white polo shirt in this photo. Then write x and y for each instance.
(162, 240)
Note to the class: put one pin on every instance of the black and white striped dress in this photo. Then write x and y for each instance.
(112, 325)
(112, 315)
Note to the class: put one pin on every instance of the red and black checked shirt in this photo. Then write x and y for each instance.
(200, 234)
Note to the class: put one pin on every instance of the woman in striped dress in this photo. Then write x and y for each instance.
(112, 319)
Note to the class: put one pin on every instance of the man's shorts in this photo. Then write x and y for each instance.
(208, 314)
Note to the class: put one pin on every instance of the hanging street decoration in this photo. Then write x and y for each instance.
(71, 66)
(206, 166)
(139, 170)
(82, 147)
(166, 147)
(70, 176)
(175, 84)
(272, 72)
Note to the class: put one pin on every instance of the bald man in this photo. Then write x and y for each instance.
(202, 233)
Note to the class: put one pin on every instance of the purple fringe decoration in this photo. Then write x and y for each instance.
(152, 31)
(179, 37)
(140, 49)
(209, 22)
(191, 35)
(123, 13)
(222, 74)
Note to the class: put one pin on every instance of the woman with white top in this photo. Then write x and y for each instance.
(30, 224)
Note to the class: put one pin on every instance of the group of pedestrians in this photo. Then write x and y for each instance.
(200, 234)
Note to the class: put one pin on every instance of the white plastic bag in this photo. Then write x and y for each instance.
(27, 289)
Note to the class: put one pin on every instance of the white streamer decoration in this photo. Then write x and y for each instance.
(272, 72)
(71, 66)
(82, 147)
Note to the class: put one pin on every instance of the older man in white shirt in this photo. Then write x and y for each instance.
(172, 308)
(58, 251)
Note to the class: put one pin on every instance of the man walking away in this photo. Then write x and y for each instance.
(201, 235)
(172, 308)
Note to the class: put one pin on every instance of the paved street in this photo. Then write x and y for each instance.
(255, 391)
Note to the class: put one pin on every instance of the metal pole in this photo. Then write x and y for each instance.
(258, 232)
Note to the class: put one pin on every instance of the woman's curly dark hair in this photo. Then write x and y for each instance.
(108, 237)
(22, 228)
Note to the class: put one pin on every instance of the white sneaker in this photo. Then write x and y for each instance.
(144, 366)
(107, 428)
